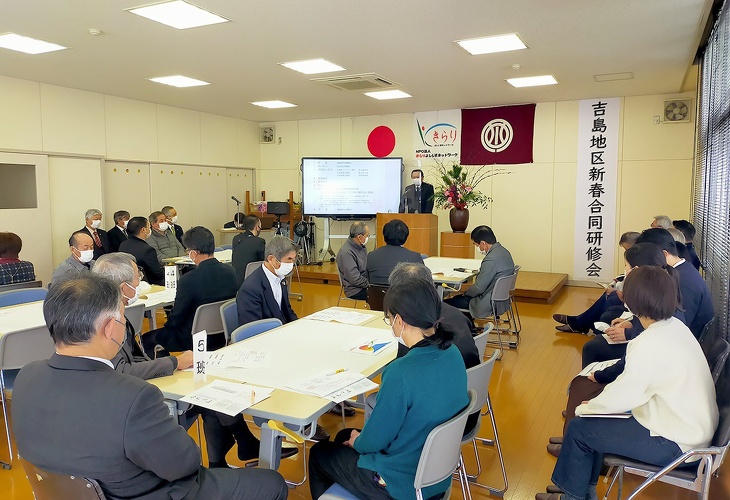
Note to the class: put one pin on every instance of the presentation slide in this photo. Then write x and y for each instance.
(350, 187)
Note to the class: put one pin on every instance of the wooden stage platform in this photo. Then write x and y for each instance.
(531, 286)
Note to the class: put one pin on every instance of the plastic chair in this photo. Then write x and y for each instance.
(135, 315)
(251, 267)
(47, 485)
(482, 339)
(208, 317)
(503, 303)
(376, 294)
(478, 378)
(229, 317)
(17, 349)
(22, 296)
(342, 295)
(253, 328)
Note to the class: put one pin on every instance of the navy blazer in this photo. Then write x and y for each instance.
(116, 237)
(255, 300)
(696, 298)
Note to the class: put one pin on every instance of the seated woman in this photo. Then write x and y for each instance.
(666, 386)
(418, 392)
(12, 269)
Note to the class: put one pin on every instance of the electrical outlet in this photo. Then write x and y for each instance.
(656, 119)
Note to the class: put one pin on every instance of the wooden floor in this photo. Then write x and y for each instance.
(528, 392)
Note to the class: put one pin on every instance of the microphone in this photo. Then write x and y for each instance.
(235, 199)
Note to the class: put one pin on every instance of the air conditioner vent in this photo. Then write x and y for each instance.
(358, 83)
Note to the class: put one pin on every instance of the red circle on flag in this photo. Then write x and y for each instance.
(381, 141)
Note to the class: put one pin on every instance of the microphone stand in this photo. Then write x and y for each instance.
(236, 223)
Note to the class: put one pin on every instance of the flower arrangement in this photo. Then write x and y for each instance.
(457, 188)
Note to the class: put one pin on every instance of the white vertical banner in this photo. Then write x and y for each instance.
(437, 136)
(596, 189)
(200, 355)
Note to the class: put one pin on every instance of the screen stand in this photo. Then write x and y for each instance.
(326, 244)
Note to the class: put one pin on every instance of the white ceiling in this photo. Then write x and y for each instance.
(406, 41)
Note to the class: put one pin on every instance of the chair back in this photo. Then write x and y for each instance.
(721, 439)
(716, 353)
(478, 377)
(19, 286)
(502, 288)
(135, 315)
(48, 485)
(253, 328)
(229, 317)
(482, 340)
(251, 267)
(208, 317)
(705, 331)
(376, 293)
(21, 347)
(22, 296)
(514, 280)
(442, 448)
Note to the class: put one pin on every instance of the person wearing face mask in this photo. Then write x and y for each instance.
(139, 231)
(352, 262)
(100, 237)
(79, 262)
(118, 233)
(210, 281)
(247, 247)
(163, 239)
(497, 262)
(418, 392)
(418, 197)
(172, 218)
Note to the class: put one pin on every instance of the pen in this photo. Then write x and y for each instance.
(340, 370)
(253, 397)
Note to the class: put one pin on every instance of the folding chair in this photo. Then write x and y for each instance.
(47, 485)
(503, 303)
(482, 339)
(208, 317)
(251, 267)
(342, 295)
(22, 296)
(376, 294)
(254, 328)
(229, 318)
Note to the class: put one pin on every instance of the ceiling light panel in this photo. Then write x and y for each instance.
(28, 45)
(492, 44)
(178, 14)
(388, 94)
(313, 66)
(532, 81)
(178, 81)
(274, 104)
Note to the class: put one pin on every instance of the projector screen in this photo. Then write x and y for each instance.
(350, 188)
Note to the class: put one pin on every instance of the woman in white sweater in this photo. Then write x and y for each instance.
(666, 387)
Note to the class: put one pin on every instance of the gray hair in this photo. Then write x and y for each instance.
(167, 210)
(91, 212)
(406, 271)
(357, 228)
(677, 235)
(663, 221)
(75, 310)
(279, 246)
(118, 267)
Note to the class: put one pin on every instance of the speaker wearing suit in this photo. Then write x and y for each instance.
(146, 258)
(116, 236)
(418, 199)
(247, 248)
(256, 300)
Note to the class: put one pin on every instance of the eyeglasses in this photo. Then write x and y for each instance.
(388, 321)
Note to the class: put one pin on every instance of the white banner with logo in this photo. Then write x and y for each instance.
(437, 136)
(596, 189)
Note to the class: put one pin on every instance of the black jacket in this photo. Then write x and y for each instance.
(146, 259)
(256, 300)
(247, 248)
(116, 236)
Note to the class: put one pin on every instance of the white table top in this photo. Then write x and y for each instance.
(442, 269)
(221, 255)
(21, 317)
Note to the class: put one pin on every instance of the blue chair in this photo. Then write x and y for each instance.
(229, 316)
(218, 249)
(22, 296)
(253, 328)
(227, 247)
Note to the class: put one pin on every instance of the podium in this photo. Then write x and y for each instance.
(423, 234)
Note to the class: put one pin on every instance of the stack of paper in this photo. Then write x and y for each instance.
(340, 316)
(226, 397)
(242, 358)
(336, 386)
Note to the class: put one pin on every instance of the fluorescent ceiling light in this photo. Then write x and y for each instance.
(178, 81)
(492, 44)
(313, 66)
(178, 14)
(26, 44)
(388, 94)
(274, 104)
(532, 81)
(611, 77)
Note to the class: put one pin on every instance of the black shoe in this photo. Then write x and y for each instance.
(285, 453)
(337, 410)
(320, 435)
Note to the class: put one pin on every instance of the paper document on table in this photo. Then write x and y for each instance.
(613, 342)
(346, 317)
(597, 367)
(352, 390)
(165, 296)
(326, 383)
(369, 346)
(226, 397)
(242, 358)
(450, 273)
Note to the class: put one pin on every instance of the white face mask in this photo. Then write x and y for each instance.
(366, 241)
(133, 299)
(417, 181)
(95, 224)
(86, 255)
(400, 338)
(124, 224)
(164, 226)
(174, 220)
(483, 252)
(284, 269)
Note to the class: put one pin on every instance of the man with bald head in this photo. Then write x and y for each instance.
(79, 262)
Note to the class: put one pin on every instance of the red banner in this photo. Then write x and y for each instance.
(501, 135)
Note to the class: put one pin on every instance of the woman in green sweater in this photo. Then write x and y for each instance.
(418, 392)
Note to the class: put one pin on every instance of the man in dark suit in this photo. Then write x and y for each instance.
(383, 260)
(102, 244)
(418, 197)
(689, 231)
(265, 293)
(139, 230)
(108, 426)
(118, 233)
(236, 222)
(210, 281)
(247, 246)
(171, 216)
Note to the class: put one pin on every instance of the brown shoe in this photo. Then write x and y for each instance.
(554, 449)
(553, 489)
(556, 440)
(561, 318)
(549, 496)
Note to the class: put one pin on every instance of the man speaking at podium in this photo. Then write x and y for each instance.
(418, 197)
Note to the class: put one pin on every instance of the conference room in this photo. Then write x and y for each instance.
(86, 126)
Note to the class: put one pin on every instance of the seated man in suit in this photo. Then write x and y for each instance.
(418, 197)
(99, 236)
(497, 262)
(12, 269)
(118, 233)
(688, 230)
(162, 238)
(139, 230)
(352, 261)
(79, 262)
(106, 425)
(237, 221)
(172, 218)
(247, 246)
(383, 260)
(210, 281)
(265, 293)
